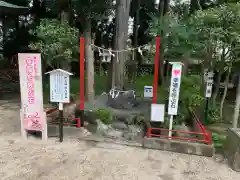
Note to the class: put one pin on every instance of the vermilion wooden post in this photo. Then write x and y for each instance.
(81, 104)
(156, 68)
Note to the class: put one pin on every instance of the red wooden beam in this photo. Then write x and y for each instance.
(156, 68)
(81, 104)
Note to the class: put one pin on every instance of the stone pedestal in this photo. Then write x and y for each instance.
(232, 148)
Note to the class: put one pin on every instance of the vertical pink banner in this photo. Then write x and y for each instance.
(30, 73)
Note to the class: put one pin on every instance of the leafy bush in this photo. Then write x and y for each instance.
(218, 140)
(190, 95)
(190, 91)
(213, 115)
(58, 42)
(104, 115)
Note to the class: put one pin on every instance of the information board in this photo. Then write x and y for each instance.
(30, 74)
(59, 87)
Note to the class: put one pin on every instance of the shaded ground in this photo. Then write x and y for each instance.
(220, 128)
(71, 160)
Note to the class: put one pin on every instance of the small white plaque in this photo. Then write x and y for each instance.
(148, 91)
(157, 112)
(208, 92)
(209, 84)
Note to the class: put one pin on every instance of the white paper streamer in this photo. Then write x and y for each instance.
(100, 53)
(140, 51)
(110, 52)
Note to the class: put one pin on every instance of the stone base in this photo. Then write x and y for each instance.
(179, 146)
(53, 131)
(232, 148)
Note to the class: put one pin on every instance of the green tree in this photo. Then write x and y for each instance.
(211, 35)
(219, 33)
(86, 13)
(176, 43)
(120, 41)
(58, 42)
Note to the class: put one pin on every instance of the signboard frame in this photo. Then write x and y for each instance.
(32, 113)
(174, 89)
(59, 86)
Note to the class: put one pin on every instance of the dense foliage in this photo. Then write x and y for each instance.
(207, 32)
(57, 42)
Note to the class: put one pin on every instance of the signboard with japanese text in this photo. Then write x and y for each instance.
(174, 89)
(59, 86)
(148, 91)
(209, 84)
(30, 73)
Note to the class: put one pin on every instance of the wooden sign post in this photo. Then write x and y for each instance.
(60, 93)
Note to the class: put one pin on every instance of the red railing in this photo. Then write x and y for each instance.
(203, 136)
(50, 111)
(208, 135)
(149, 134)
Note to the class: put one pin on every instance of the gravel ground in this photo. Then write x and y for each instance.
(72, 160)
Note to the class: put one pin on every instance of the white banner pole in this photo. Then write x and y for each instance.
(170, 126)
(174, 93)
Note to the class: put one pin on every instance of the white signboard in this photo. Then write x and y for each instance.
(30, 73)
(174, 88)
(157, 112)
(59, 86)
(209, 84)
(148, 91)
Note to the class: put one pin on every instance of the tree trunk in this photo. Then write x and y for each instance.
(202, 3)
(166, 6)
(217, 85)
(237, 106)
(163, 8)
(36, 9)
(4, 32)
(202, 85)
(186, 64)
(65, 64)
(136, 25)
(161, 56)
(194, 5)
(136, 56)
(161, 66)
(225, 92)
(121, 35)
(89, 62)
(216, 88)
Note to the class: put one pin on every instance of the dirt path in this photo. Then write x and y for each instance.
(74, 160)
